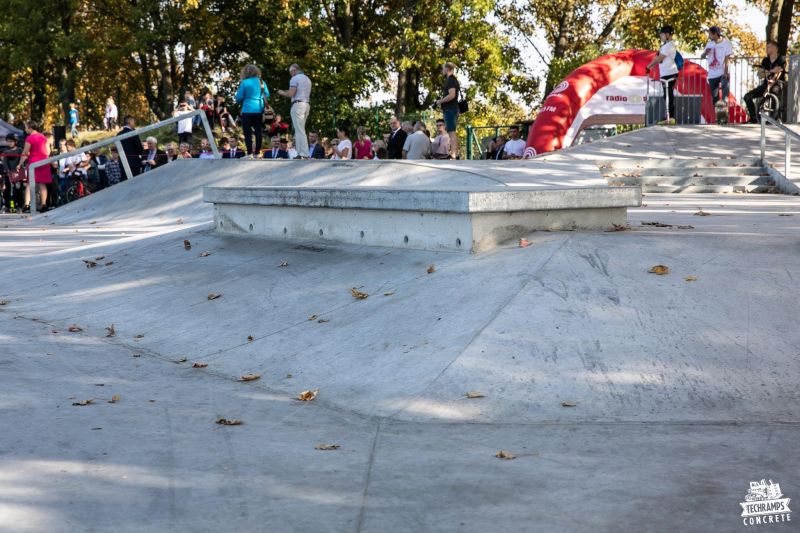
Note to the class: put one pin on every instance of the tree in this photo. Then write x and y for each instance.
(779, 23)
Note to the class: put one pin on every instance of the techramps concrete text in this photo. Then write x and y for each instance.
(631, 401)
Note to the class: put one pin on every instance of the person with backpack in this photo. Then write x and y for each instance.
(667, 60)
(252, 95)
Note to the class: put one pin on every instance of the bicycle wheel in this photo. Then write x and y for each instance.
(72, 194)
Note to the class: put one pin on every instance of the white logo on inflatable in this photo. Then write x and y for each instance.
(560, 88)
(530, 152)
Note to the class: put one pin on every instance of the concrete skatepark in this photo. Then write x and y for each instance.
(678, 393)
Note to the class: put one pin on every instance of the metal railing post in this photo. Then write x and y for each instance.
(123, 159)
(210, 136)
(787, 155)
(763, 139)
(469, 142)
(32, 184)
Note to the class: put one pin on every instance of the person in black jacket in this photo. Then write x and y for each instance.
(233, 151)
(132, 147)
(9, 159)
(276, 152)
(153, 157)
(315, 148)
(397, 139)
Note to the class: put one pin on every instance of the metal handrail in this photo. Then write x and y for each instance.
(788, 135)
(117, 140)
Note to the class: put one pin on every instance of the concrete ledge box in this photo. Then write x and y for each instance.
(463, 220)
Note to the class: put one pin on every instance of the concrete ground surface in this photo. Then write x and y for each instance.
(683, 391)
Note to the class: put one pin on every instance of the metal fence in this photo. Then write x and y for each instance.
(117, 140)
(744, 77)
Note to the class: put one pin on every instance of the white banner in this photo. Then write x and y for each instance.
(765, 507)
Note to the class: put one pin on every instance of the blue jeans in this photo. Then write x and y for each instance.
(73, 129)
(714, 83)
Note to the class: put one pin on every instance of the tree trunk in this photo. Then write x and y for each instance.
(779, 23)
(400, 106)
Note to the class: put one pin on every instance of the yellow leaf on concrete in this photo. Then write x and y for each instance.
(431, 269)
(389, 293)
(250, 377)
(475, 394)
(312, 317)
(690, 278)
(358, 294)
(307, 395)
(115, 398)
(505, 454)
(659, 270)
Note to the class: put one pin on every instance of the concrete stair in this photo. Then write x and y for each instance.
(690, 175)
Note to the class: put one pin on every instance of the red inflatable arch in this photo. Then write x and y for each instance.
(611, 90)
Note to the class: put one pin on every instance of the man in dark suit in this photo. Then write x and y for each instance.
(315, 148)
(233, 151)
(397, 139)
(132, 147)
(153, 157)
(276, 152)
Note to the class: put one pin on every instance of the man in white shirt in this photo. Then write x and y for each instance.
(417, 145)
(668, 70)
(300, 94)
(514, 147)
(718, 50)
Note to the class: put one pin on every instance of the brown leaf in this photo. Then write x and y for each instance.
(690, 278)
(187, 245)
(250, 338)
(524, 243)
(659, 269)
(109, 263)
(3, 302)
(83, 402)
(327, 446)
(307, 395)
(115, 398)
(139, 336)
(199, 365)
(701, 213)
(74, 328)
(213, 296)
(99, 258)
(312, 317)
(358, 294)
(785, 215)
(289, 376)
(110, 331)
(283, 263)
(229, 422)
(323, 320)
(568, 403)
(657, 224)
(181, 360)
(250, 377)
(505, 454)
(93, 222)
(390, 293)
(204, 254)
(618, 227)
(89, 264)
(431, 269)
(475, 394)
(686, 227)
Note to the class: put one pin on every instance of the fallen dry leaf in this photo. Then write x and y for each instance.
(229, 422)
(431, 269)
(93, 222)
(686, 227)
(89, 264)
(180, 221)
(327, 447)
(204, 254)
(690, 278)
(250, 377)
(312, 317)
(74, 328)
(99, 258)
(110, 331)
(3, 302)
(181, 360)
(283, 263)
(307, 395)
(657, 224)
(524, 243)
(83, 402)
(250, 338)
(289, 376)
(504, 454)
(139, 336)
(109, 263)
(475, 394)
(659, 269)
(618, 227)
(785, 215)
(115, 398)
(199, 365)
(568, 403)
(358, 294)
(701, 213)
(213, 296)
(187, 245)
(323, 320)
(389, 293)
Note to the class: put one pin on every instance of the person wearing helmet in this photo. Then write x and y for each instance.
(667, 68)
(718, 51)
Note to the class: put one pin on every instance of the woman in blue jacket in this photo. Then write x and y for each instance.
(252, 96)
